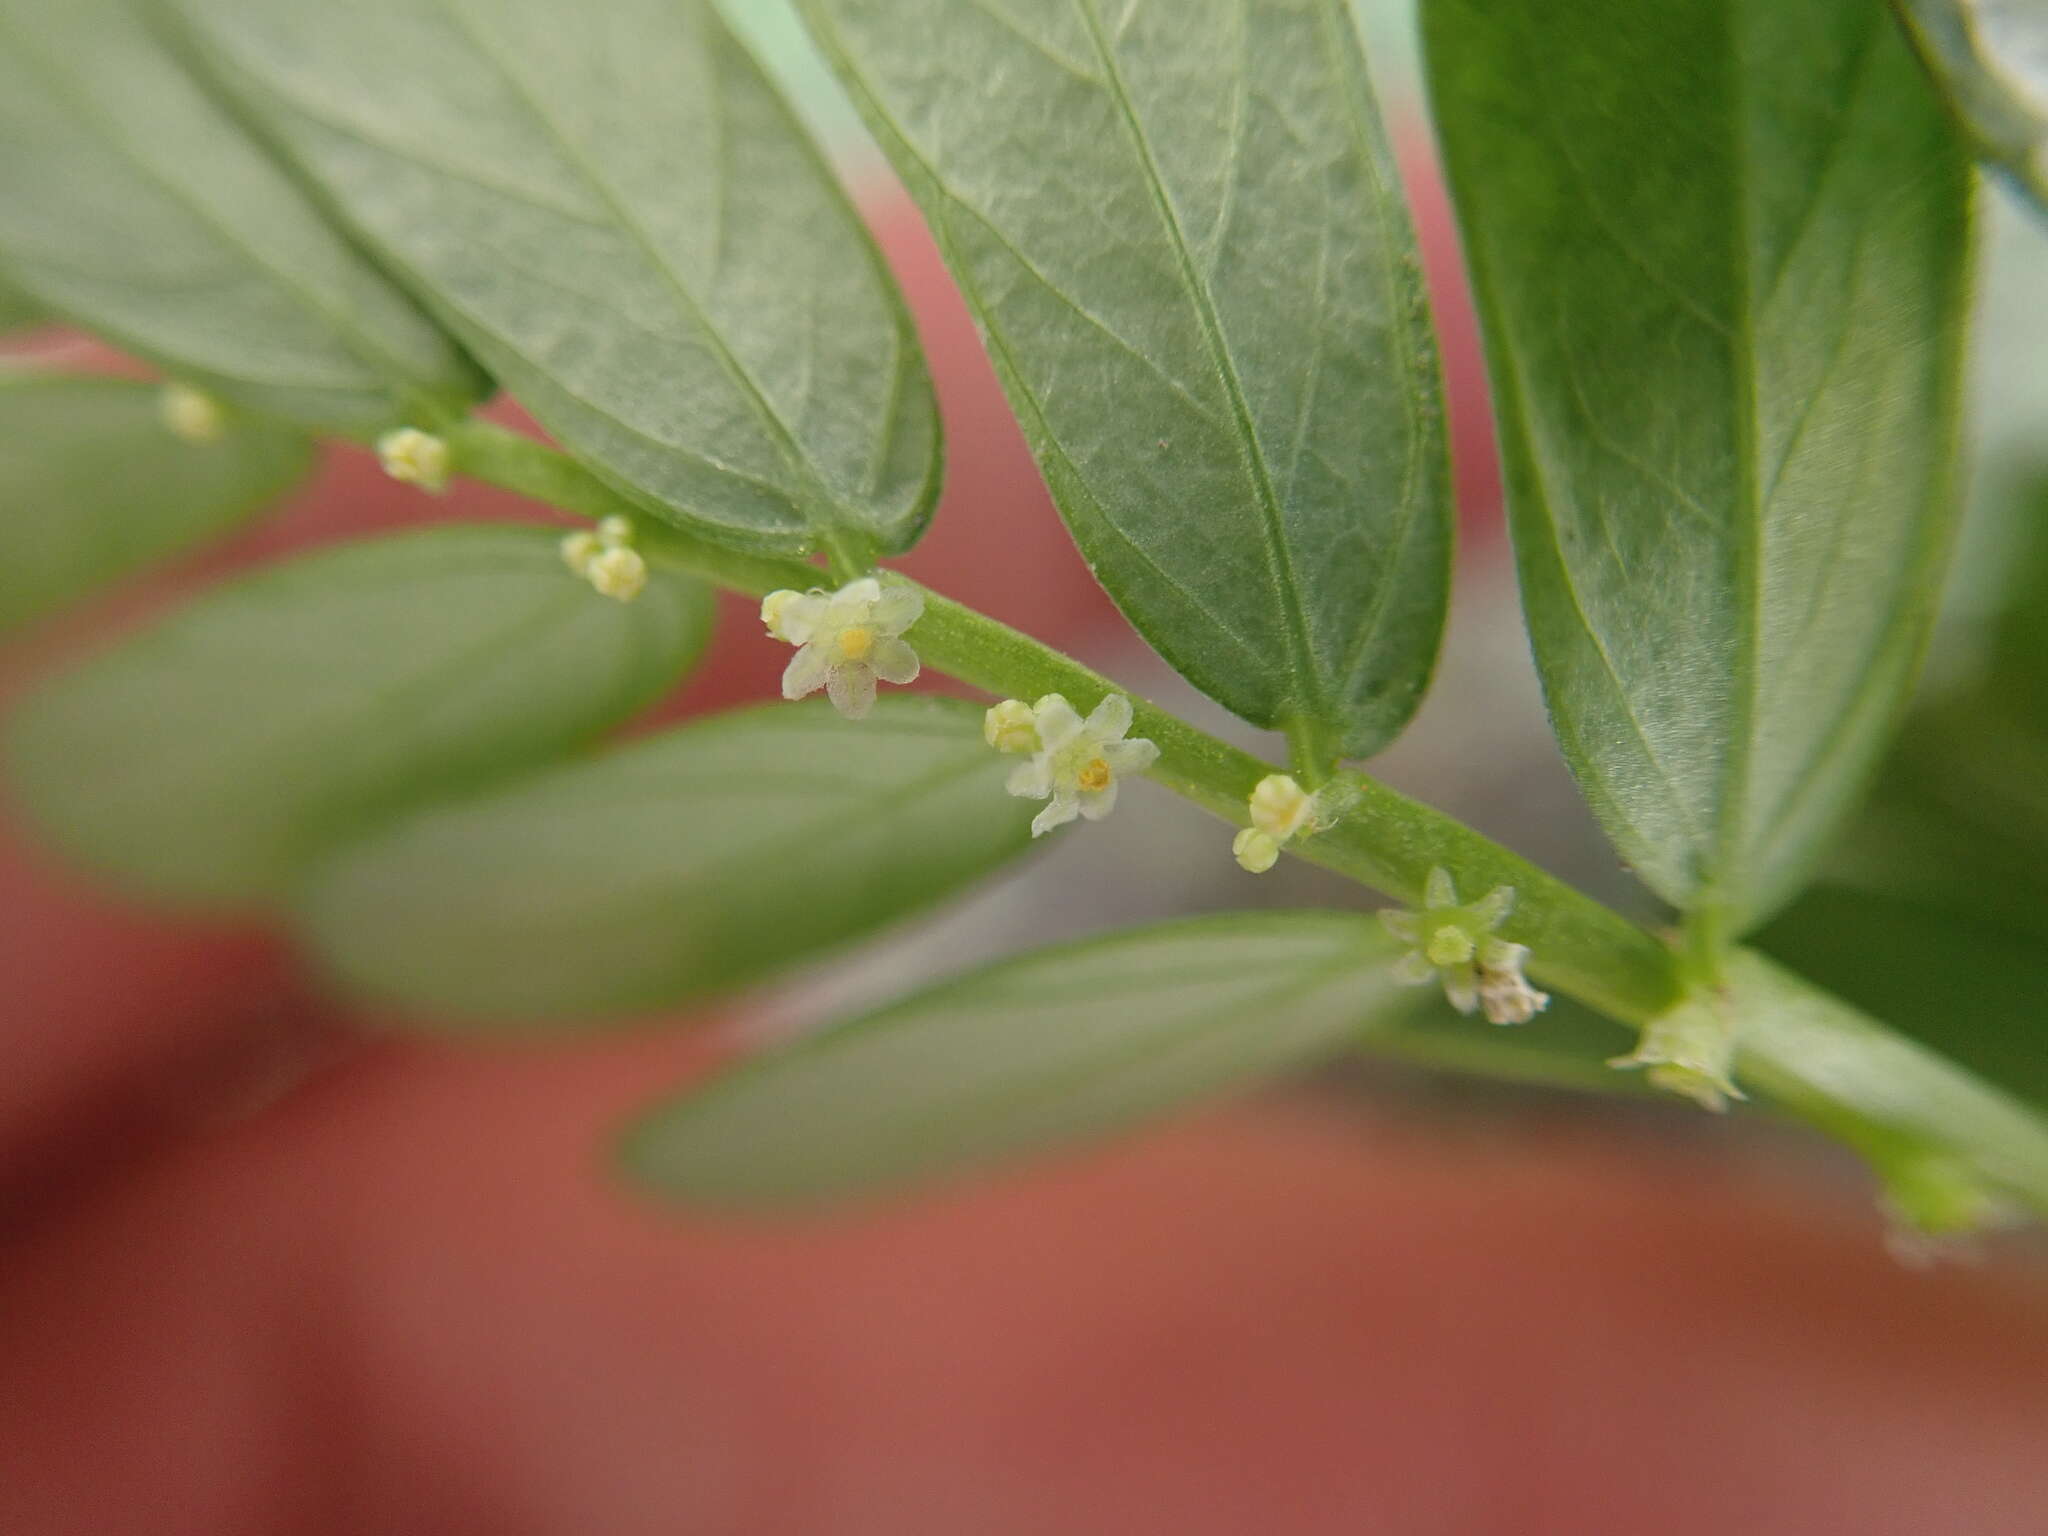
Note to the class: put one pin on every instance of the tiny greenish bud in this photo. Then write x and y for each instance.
(1691, 1051)
(1450, 945)
(1937, 1206)
(579, 549)
(618, 573)
(1254, 850)
(615, 532)
(413, 457)
(1010, 727)
(1280, 807)
(192, 414)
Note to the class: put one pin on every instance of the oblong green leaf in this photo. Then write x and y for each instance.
(1992, 58)
(1063, 1043)
(93, 485)
(1186, 244)
(211, 757)
(1721, 252)
(134, 205)
(683, 865)
(621, 217)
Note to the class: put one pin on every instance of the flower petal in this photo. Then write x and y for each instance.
(894, 661)
(1493, 908)
(1098, 803)
(1063, 809)
(1111, 718)
(852, 688)
(1057, 722)
(1130, 756)
(1438, 891)
(806, 672)
(1413, 969)
(798, 618)
(1402, 924)
(897, 609)
(1461, 986)
(1031, 780)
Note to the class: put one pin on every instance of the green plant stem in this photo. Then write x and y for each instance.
(1817, 1058)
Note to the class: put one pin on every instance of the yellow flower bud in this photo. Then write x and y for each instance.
(192, 414)
(1255, 850)
(413, 457)
(1010, 727)
(618, 573)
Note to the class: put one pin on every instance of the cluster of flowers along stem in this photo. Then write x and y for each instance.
(849, 640)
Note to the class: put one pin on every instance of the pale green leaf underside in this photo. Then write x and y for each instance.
(614, 209)
(689, 863)
(210, 757)
(93, 486)
(1061, 1044)
(1185, 242)
(132, 204)
(1721, 251)
(1992, 58)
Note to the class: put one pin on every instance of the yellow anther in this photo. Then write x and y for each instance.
(1450, 945)
(856, 642)
(1094, 776)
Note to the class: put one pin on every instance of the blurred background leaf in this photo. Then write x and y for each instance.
(210, 757)
(1055, 1046)
(685, 864)
(95, 485)
(134, 205)
(1992, 58)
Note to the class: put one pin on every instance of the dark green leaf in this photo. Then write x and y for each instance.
(619, 215)
(1992, 57)
(93, 485)
(686, 864)
(133, 204)
(212, 756)
(1721, 250)
(1184, 239)
(1061, 1044)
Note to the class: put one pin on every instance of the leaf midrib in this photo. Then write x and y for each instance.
(1304, 676)
(785, 439)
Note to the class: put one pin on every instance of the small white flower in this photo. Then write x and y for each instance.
(1077, 763)
(416, 458)
(192, 414)
(845, 640)
(1457, 944)
(1689, 1050)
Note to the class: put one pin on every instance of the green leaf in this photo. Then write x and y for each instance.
(1184, 239)
(1061, 1044)
(209, 758)
(134, 205)
(1721, 251)
(93, 485)
(17, 310)
(675, 867)
(620, 216)
(1992, 58)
